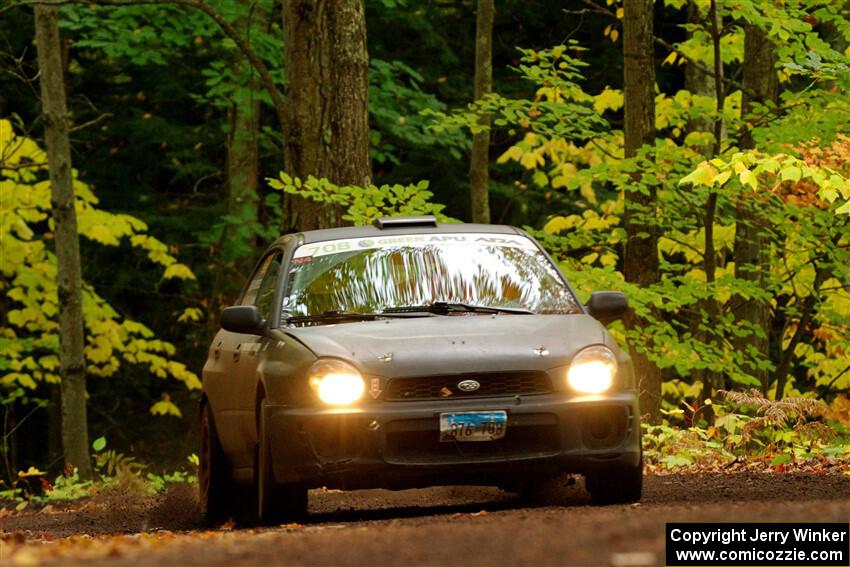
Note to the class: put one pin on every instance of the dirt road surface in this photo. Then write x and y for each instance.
(464, 526)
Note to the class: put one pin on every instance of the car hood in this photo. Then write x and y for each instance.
(424, 346)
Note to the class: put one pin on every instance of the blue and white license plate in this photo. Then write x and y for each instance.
(473, 426)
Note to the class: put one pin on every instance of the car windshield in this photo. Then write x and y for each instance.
(372, 275)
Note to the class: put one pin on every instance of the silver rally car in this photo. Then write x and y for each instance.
(407, 354)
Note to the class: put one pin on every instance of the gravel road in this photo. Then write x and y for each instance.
(463, 526)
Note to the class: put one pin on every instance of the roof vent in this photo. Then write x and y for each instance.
(425, 221)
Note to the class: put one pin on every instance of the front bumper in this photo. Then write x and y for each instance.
(396, 445)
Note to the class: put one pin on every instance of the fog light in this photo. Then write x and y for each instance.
(593, 370)
(336, 382)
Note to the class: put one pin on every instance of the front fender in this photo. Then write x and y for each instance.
(282, 370)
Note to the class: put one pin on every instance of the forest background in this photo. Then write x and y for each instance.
(692, 154)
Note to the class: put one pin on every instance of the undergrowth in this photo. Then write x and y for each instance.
(116, 472)
(745, 430)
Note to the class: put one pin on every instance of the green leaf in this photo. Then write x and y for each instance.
(791, 173)
(672, 461)
(99, 444)
(780, 460)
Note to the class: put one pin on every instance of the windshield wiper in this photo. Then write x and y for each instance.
(445, 307)
(333, 315)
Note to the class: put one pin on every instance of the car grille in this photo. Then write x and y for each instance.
(446, 387)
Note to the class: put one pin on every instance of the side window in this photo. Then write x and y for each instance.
(265, 297)
(263, 285)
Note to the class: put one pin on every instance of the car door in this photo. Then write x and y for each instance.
(261, 293)
(226, 389)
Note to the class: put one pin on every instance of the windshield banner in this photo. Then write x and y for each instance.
(446, 239)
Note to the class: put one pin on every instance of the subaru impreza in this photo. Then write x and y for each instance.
(413, 353)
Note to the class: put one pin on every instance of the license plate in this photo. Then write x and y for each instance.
(473, 426)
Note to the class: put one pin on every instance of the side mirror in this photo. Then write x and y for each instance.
(607, 306)
(242, 319)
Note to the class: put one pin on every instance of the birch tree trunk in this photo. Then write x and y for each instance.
(479, 169)
(72, 368)
(327, 115)
(641, 254)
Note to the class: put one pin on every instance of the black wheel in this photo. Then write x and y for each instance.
(276, 503)
(214, 482)
(616, 485)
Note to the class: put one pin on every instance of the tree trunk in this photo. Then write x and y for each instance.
(697, 81)
(243, 155)
(54, 431)
(641, 254)
(711, 378)
(75, 439)
(243, 171)
(479, 169)
(760, 85)
(243, 147)
(807, 313)
(327, 115)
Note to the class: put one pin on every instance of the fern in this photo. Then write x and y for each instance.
(779, 413)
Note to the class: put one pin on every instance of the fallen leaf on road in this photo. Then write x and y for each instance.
(633, 559)
(25, 558)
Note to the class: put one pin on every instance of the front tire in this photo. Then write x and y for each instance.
(276, 503)
(214, 483)
(616, 485)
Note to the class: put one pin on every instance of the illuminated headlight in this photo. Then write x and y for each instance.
(593, 370)
(336, 382)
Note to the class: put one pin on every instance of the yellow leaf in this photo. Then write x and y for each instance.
(670, 59)
(24, 380)
(722, 177)
(102, 234)
(614, 35)
(32, 471)
(586, 190)
(608, 99)
(531, 160)
(704, 174)
(620, 13)
(180, 271)
(514, 153)
(590, 258)
(608, 259)
(190, 314)
(747, 177)
(165, 407)
(560, 224)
